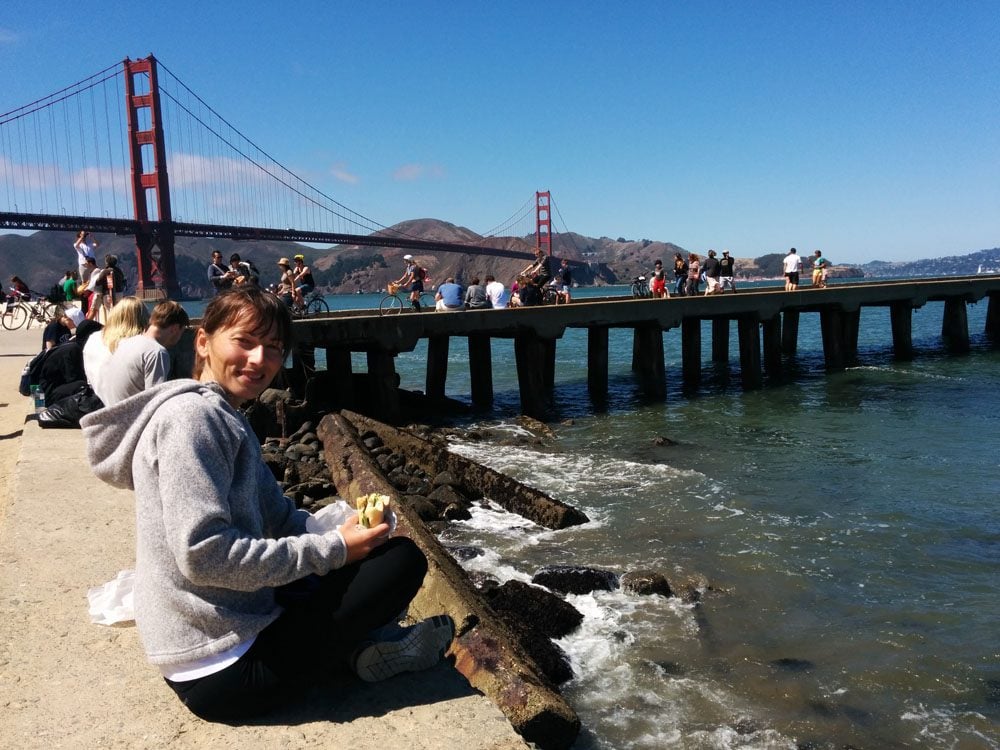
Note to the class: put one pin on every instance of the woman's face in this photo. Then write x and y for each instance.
(242, 361)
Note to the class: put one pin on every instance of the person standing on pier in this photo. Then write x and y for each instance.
(819, 270)
(228, 576)
(658, 283)
(680, 274)
(726, 278)
(83, 251)
(711, 269)
(693, 275)
(219, 276)
(792, 265)
(565, 281)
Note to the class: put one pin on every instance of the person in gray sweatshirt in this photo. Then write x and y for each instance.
(229, 582)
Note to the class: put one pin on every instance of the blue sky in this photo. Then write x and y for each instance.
(868, 130)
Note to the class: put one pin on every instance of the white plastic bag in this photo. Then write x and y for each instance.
(333, 516)
(112, 602)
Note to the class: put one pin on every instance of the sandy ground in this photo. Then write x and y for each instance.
(68, 683)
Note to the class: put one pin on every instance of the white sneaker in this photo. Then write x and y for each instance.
(411, 650)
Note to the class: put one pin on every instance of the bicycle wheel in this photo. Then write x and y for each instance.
(14, 317)
(426, 302)
(391, 304)
(51, 310)
(317, 306)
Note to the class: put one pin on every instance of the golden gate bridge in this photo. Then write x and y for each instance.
(132, 150)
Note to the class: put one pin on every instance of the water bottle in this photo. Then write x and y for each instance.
(39, 400)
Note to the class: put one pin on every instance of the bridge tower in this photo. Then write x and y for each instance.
(154, 245)
(543, 222)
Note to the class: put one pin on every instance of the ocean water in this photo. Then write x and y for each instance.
(843, 527)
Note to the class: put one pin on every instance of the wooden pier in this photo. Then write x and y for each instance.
(767, 321)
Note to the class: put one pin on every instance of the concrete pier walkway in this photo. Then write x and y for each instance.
(66, 682)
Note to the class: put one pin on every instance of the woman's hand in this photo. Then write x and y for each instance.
(361, 541)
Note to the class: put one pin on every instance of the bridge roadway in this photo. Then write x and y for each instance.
(767, 321)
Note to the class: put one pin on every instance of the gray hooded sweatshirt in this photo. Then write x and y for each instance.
(214, 534)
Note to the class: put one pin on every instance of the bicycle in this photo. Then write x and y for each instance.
(20, 311)
(312, 305)
(393, 304)
(640, 288)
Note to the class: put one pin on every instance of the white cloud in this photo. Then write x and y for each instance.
(413, 172)
(339, 172)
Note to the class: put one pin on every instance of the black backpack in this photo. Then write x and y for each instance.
(31, 374)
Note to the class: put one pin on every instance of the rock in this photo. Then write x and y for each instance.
(446, 495)
(787, 664)
(551, 659)
(671, 668)
(483, 581)
(456, 512)
(574, 579)
(660, 440)
(382, 450)
(396, 461)
(418, 486)
(464, 552)
(424, 508)
(745, 726)
(533, 425)
(546, 612)
(372, 442)
(444, 478)
(645, 582)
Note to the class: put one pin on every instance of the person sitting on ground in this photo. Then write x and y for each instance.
(303, 277)
(140, 362)
(475, 296)
(449, 296)
(515, 291)
(496, 293)
(62, 372)
(59, 330)
(228, 577)
(128, 318)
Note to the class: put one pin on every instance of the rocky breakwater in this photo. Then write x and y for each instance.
(486, 650)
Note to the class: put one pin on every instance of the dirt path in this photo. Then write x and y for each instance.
(65, 682)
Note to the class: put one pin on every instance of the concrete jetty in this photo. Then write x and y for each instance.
(66, 682)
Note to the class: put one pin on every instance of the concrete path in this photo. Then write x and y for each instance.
(65, 682)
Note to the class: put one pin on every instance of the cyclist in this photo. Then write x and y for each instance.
(304, 283)
(412, 279)
(19, 290)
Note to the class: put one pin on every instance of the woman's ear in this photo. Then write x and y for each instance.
(201, 345)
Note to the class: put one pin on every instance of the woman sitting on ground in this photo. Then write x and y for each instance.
(128, 318)
(218, 547)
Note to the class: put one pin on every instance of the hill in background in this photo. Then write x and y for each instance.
(42, 258)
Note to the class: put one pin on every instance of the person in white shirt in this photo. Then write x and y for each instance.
(142, 361)
(496, 293)
(792, 265)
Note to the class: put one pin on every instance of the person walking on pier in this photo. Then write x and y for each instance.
(228, 577)
(726, 278)
(792, 265)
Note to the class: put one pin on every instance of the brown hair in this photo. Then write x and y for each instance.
(169, 313)
(262, 310)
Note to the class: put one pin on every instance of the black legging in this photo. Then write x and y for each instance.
(342, 607)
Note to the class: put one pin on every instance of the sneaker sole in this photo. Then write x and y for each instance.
(421, 648)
